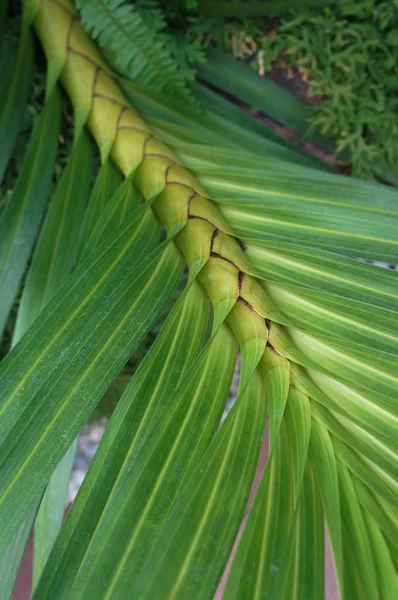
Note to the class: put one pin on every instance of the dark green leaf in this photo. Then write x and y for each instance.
(22, 215)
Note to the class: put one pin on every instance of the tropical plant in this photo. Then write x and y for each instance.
(270, 238)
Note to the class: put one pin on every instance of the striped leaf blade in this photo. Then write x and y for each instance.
(261, 550)
(315, 211)
(146, 396)
(52, 263)
(55, 254)
(106, 184)
(22, 215)
(169, 440)
(14, 94)
(122, 309)
(205, 518)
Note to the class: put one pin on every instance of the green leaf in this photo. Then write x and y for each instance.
(52, 263)
(283, 106)
(22, 215)
(234, 77)
(359, 569)
(133, 46)
(3, 16)
(51, 512)
(106, 184)
(323, 462)
(197, 150)
(197, 536)
(123, 203)
(12, 555)
(358, 218)
(386, 572)
(276, 371)
(145, 399)
(13, 100)
(307, 567)
(227, 111)
(169, 440)
(175, 123)
(262, 548)
(96, 320)
(55, 253)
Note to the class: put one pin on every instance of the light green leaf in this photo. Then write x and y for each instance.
(298, 423)
(323, 462)
(308, 564)
(313, 210)
(361, 410)
(359, 569)
(367, 471)
(386, 516)
(344, 324)
(375, 384)
(276, 370)
(386, 572)
(314, 269)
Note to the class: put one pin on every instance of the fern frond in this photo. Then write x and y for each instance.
(134, 42)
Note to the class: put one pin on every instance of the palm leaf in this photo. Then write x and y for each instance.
(15, 87)
(23, 212)
(165, 496)
(108, 272)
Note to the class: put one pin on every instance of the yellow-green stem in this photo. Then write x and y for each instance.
(213, 254)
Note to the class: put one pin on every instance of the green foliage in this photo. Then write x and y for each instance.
(348, 56)
(134, 39)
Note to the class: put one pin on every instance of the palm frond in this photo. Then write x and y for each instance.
(270, 245)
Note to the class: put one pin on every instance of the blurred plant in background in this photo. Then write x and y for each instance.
(347, 54)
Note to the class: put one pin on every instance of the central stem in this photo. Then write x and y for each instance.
(213, 254)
